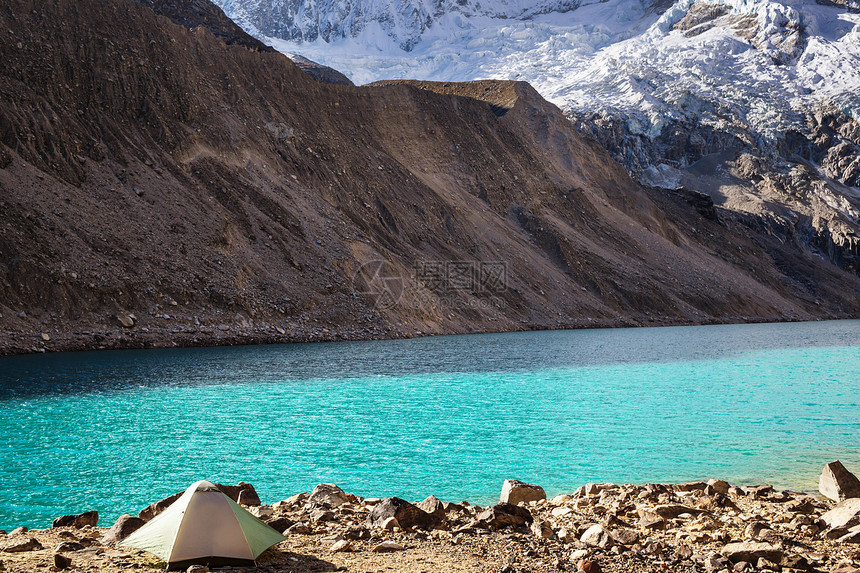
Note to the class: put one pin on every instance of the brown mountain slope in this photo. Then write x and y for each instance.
(220, 195)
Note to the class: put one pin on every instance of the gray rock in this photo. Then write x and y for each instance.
(154, 509)
(844, 514)
(503, 515)
(88, 518)
(837, 483)
(328, 494)
(751, 552)
(21, 545)
(125, 320)
(624, 536)
(122, 528)
(408, 515)
(516, 492)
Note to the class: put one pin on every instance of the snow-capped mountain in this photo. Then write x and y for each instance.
(769, 90)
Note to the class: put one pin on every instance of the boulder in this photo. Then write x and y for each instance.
(18, 531)
(837, 483)
(88, 518)
(125, 320)
(433, 506)
(328, 494)
(669, 511)
(408, 515)
(541, 530)
(280, 524)
(503, 515)
(844, 514)
(596, 536)
(157, 507)
(122, 528)
(719, 486)
(751, 552)
(20, 545)
(241, 493)
(62, 562)
(516, 492)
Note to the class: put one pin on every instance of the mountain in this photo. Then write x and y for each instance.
(752, 102)
(160, 186)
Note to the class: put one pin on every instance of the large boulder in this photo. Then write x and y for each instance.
(503, 515)
(514, 491)
(751, 552)
(88, 518)
(122, 528)
(157, 507)
(596, 536)
(837, 483)
(329, 495)
(408, 516)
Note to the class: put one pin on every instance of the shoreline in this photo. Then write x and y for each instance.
(18, 343)
(710, 526)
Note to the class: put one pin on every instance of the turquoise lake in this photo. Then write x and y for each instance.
(450, 416)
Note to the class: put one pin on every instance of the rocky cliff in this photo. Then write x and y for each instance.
(160, 186)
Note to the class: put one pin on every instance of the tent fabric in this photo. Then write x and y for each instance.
(204, 524)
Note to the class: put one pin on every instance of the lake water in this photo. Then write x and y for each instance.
(450, 416)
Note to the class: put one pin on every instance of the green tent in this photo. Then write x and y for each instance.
(204, 527)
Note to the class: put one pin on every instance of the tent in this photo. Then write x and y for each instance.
(204, 527)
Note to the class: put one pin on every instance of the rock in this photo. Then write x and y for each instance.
(588, 566)
(541, 530)
(837, 483)
(503, 515)
(624, 536)
(341, 546)
(715, 562)
(61, 561)
(18, 531)
(356, 532)
(297, 499)
(46, 337)
(433, 506)
(280, 524)
(21, 545)
(670, 511)
(853, 536)
(241, 493)
(68, 546)
(322, 515)
(328, 494)
(751, 552)
(596, 536)
(390, 524)
(652, 522)
(742, 566)
(757, 531)
(408, 516)
(154, 509)
(844, 514)
(516, 492)
(299, 529)
(719, 486)
(845, 568)
(561, 511)
(197, 569)
(386, 546)
(125, 320)
(88, 518)
(122, 528)
(691, 486)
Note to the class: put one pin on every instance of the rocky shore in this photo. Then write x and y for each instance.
(705, 527)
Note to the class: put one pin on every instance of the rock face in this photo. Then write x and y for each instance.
(86, 519)
(122, 528)
(407, 515)
(583, 244)
(837, 483)
(516, 492)
(328, 494)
